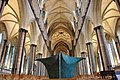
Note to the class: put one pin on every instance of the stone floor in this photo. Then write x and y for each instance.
(31, 77)
(6, 75)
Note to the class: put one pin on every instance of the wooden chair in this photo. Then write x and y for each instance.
(8, 76)
(2, 77)
(15, 77)
(108, 74)
(31, 77)
(38, 78)
(23, 77)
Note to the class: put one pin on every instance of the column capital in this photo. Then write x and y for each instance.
(12, 46)
(6, 2)
(5, 40)
(33, 45)
(116, 42)
(98, 27)
(6, 45)
(23, 30)
(83, 52)
(39, 53)
(88, 43)
(117, 39)
(117, 36)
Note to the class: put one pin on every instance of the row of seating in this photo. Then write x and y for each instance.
(21, 77)
(31, 77)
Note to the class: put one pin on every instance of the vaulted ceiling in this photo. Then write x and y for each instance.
(60, 18)
(60, 21)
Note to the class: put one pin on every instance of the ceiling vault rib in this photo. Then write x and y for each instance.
(83, 21)
(10, 14)
(13, 11)
(66, 5)
(52, 22)
(110, 17)
(59, 12)
(59, 7)
(52, 6)
(37, 20)
(112, 9)
(107, 6)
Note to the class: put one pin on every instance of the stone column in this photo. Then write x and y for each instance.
(5, 41)
(103, 47)
(73, 48)
(51, 54)
(118, 48)
(91, 56)
(71, 51)
(2, 5)
(31, 59)
(118, 40)
(41, 67)
(16, 69)
(25, 64)
(79, 68)
(38, 71)
(117, 43)
(11, 60)
(118, 4)
(43, 70)
(84, 63)
(3, 58)
(99, 62)
(113, 52)
(10, 56)
(46, 74)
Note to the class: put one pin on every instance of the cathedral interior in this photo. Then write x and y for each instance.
(31, 29)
